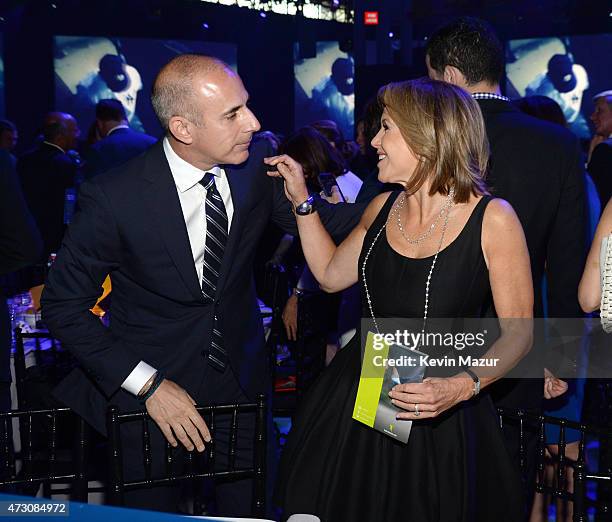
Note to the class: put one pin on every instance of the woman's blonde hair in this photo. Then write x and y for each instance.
(443, 127)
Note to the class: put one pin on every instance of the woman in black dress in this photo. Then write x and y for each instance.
(438, 249)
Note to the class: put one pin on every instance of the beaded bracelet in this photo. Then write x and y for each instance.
(159, 377)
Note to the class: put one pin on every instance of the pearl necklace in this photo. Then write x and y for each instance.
(418, 240)
(431, 269)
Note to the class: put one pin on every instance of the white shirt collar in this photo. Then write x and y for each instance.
(185, 174)
(120, 126)
(54, 145)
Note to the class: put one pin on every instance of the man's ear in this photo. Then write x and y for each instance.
(180, 129)
(454, 76)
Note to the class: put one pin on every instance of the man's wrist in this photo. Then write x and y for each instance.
(147, 385)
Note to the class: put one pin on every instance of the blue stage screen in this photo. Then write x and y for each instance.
(570, 70)
(325, 87)
(88, 69)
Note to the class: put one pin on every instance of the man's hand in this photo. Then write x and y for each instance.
(553, 386)
(172, 409)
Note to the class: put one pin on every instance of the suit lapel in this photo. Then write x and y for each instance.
(239, 181)
(165, 209)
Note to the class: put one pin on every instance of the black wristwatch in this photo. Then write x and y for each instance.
(475, 378)
(303, 209)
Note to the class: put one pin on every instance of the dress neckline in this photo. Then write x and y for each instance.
(467, 223)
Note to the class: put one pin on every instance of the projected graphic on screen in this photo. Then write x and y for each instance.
(2, 111)
(89, 69)
(570, 70)
(325, 87)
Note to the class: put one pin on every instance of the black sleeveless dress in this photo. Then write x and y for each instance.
(454, 468)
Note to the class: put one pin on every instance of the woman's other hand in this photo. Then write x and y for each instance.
(433, 396)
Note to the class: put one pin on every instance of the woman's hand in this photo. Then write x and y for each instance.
(433, 396)
(553, 386)
(290, 317)
(336, 196)
(291, 171)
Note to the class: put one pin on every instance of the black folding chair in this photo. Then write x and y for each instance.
(51, 364)
(43, 461)
(558, 489)
(197, 466)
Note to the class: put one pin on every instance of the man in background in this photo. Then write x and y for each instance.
(119, 142)
(600, 152)
(536, 166)
(48, 175)
(8, 138)
(20, 246)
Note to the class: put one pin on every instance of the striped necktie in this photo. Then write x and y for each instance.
(214, 247)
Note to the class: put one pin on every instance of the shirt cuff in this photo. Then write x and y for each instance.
(138, 378)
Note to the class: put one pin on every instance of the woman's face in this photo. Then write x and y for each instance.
(396, 161)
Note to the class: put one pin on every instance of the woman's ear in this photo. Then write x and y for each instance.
(180, 129)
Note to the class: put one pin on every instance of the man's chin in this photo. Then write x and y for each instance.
(236, 158)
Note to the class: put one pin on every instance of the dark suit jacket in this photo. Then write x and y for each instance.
(130, 225)
(536, 166)
(20, 242)
(114, 150)
(600, 169)
(20, 245)
(45, 174)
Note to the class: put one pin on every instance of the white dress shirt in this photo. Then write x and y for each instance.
(192, 197)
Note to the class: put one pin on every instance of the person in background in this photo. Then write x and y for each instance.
(20, 246)
(48, 173)
(537, 167)
(365, 162)
(600, 150)
(371, 125)
(8, 138)
(589, 291)
(316, 156)
(563, 399)
(118, 142)
(329, 129)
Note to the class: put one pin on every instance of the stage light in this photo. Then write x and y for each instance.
(204, 25)
(391, 35)
(262, 14)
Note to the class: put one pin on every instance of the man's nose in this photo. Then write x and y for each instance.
(254, 124)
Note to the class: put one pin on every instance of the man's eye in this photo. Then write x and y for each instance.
(232, 116)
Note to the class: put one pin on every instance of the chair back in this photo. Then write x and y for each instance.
(197, 466)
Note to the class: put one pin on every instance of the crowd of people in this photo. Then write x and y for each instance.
(454, 201)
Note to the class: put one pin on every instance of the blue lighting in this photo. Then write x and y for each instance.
(262, 14)
(204, 25)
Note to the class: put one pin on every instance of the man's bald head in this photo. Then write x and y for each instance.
(60, 128)
(174, 88)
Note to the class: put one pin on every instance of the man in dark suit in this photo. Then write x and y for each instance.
(176, 228)
(536, 166)
(600, 159)
(20, 246)
(47, 172)
(8, 138)
(119, 142)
